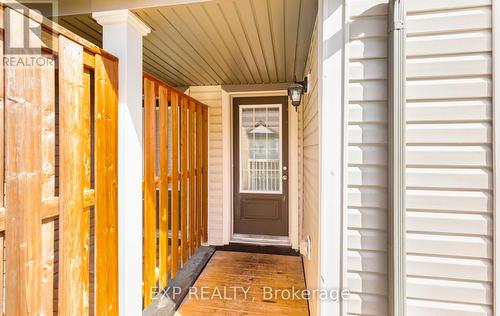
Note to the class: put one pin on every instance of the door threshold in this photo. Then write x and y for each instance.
(264, 240)
(265, 249)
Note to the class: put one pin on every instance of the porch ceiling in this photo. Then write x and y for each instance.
(221, 41)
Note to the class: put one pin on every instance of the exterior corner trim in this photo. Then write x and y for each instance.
(332, 90)
(496, 152)
(397, 164)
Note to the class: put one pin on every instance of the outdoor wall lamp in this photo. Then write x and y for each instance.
(296, 91)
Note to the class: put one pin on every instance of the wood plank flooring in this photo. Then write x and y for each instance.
(237, 283)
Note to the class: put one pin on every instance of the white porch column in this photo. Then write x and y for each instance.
(332, 40)
(122, 36)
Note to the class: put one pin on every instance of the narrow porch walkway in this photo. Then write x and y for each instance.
(238, 283)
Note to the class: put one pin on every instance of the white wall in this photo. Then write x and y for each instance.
(449, 156)
(309, 176)
(366, 204)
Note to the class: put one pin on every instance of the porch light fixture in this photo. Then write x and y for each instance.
(296, 91)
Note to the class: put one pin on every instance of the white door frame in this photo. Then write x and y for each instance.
(227, 165)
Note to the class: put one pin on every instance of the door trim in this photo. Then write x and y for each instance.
(293, 175)
(250, 202)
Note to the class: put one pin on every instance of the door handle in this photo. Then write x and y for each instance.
(284, 178)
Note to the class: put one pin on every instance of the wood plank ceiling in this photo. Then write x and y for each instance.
(221, 41)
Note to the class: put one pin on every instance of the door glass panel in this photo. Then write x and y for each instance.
(260, 148)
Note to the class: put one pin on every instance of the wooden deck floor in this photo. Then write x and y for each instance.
(221, 287)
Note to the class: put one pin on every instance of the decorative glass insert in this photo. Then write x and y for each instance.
(260, 148)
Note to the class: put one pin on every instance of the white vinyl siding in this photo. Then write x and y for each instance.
(308, 124)
(449, 157)
(366, 205)
(211, 95)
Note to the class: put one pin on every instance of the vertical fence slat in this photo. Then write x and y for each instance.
(71, 241)
(163, 130)
(199, 168)
(192, 187)
(2, 271)
(184, 166)
(106, 186)
(2, 119)
(48, 130)
(24, 178)
(2, 157)
(175, 183)
(48, 190)
(149, 189)
(205, 175)
(86, 186)
(48, 267)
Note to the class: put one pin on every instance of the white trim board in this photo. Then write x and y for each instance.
(345, 163)
(496, 153)
(293, 152)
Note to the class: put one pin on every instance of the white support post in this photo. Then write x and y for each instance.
(227, 208)
(331, 98)
(122, 36)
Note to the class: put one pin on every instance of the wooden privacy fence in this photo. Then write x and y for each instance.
(175, 181)
(58, 161)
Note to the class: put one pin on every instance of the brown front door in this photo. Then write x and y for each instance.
(260, 144)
